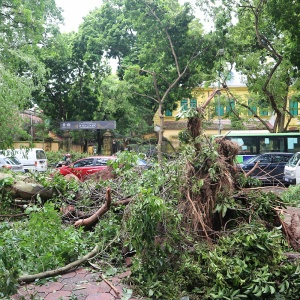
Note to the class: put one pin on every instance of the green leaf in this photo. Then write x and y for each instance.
(111, 271)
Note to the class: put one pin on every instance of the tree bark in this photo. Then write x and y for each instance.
(51, 273)
(26, 190)
(100, 212)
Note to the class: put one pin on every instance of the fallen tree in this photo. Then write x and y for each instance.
(22, 186)
(172, 216)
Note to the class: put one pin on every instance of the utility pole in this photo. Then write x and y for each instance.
(220, 53)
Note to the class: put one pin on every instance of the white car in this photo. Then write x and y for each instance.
(32, 159)
(11, 163)
(292, 170)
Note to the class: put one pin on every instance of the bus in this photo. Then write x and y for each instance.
(261, 141)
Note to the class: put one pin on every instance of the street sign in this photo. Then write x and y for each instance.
(77, 125)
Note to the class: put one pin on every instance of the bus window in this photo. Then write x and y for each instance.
(271, 144)
(247, 145)
(293, 144)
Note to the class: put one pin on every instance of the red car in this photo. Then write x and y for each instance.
(86, 166)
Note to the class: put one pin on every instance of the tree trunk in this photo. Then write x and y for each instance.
(160, 133)
(22, 188)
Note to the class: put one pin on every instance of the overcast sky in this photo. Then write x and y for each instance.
(74, 11)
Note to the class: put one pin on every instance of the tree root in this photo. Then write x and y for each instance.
(199, 216)
(59, 271)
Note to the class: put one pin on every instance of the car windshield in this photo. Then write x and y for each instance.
(83, 163)
(261, 158)
(11, 161)
(294, 160)
(101, 161)
(14, 161)
(250, 160)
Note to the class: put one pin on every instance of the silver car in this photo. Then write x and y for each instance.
(10, 163)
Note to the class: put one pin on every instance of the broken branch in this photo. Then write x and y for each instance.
(100, 212)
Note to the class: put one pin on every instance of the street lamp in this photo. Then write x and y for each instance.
(219, 53)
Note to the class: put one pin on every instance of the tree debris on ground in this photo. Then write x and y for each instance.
(211, 201)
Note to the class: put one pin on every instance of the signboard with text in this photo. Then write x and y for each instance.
(77, 125)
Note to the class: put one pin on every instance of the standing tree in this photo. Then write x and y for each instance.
(23, 27)
(170, 43)
(159, 46)
(116, 102)
(259, 47)
(72, 88)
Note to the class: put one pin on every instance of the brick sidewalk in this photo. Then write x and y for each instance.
(81, 284)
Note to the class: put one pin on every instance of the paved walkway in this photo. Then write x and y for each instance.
(81, 284)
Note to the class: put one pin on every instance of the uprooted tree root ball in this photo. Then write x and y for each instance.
(208, 180)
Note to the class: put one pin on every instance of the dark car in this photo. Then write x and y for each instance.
(270, 167)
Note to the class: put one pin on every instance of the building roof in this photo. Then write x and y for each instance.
(32, 117)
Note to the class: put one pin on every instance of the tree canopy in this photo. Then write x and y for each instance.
(160, 46)
(24, 27)
(261, 47)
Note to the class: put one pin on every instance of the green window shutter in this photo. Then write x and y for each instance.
(263, 107)
(193, 103)
(254, 108)
(184, 105)
(168, 113)
(230, 105)
(294, 107)
(217, 108)
(263, 112)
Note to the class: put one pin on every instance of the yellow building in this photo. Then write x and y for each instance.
(216, 113)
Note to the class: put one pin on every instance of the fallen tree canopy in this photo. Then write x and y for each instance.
(171, 217)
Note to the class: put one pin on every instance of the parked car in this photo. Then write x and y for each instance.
(32, 159)
(86, 166)
(11, 163)
(292, 170)
(90, 165)
(270, 168)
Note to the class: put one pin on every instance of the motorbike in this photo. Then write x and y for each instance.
(65, 162)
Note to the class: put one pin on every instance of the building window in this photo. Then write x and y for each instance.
(193, 103)
(263, 111)
(263, 105)
(252, 107)
(184, 105)
(294, 108)
(168, 113)
(230, 105)
(219, 109)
